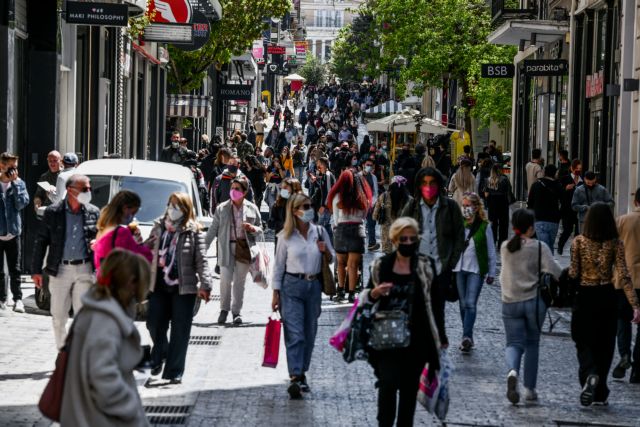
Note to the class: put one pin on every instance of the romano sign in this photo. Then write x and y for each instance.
(546, 67)
(106, 14)
(236, 92)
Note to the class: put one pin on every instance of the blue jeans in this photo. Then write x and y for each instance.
(371, 228)
(522, 327)
(324, 220)
(469, 287)
(300, 308)
(547, 232)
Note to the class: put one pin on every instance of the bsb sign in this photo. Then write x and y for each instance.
(497, 71)
(546, 67)
(105, 14)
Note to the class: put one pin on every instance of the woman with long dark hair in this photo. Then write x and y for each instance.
(596, 256)
(388, 208)
(498, 194)
(277, 216)
(349, 200)
(523, 310)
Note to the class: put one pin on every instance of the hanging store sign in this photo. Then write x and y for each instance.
(257, 50)
(168, 33)
(497, 71)
(236, 92)
(276, 50)
(546, 67)
(104, 14)
(171, 11)
(201, 32)
(595, 84)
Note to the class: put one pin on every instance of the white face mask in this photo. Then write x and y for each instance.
(307, 215)
(468, 212)
(84, 198)
(284, 193)
(174, 213)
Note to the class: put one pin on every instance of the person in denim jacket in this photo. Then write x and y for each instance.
(14, 199)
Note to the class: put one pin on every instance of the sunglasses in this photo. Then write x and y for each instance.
(84, 189)
(408, 239)
(304, 206)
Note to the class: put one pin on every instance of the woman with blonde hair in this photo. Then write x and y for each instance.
(400, 283)
(278, 214)
(117, 229)
(476, 264)
(99, 386)
(462, 181)
(297, 287)
(498, 196)
(178, 266)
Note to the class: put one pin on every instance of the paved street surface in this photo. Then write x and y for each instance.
(225, 385)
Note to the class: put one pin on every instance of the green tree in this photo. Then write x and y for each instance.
(446, 38)
(232, 35)
(356, 51)
(313, 71)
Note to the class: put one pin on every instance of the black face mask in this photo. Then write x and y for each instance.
(232, 169)
(408, 249)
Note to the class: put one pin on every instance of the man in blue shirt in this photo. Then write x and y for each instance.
(13, 199)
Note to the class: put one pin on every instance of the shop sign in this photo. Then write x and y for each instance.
(168, 33)
(258, 50)
(171, 11)
(546, 67)
(595, 84)
(273, 68)
(497, 71)
(276, 50)
(105, 14)
(201, 32)
(236, 92)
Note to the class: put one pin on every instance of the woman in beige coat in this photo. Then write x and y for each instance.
(462, 181)
(99, 388)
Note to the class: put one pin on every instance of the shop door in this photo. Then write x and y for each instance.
(595, 141)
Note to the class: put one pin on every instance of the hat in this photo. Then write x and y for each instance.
(70, 159)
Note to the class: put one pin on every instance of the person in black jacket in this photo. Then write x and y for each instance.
(67, 231)
(569, 183)
(544, 200)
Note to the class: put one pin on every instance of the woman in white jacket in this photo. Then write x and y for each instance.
(99, 388)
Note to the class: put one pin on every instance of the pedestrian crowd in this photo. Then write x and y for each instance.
(444, 227)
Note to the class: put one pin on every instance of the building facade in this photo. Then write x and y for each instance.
(323, 19)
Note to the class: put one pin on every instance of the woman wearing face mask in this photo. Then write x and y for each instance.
(99, 386)
(402, 281)
(349, 200)
(117, 229)
(236, 224)
(275, 175)
(178, 265)
(462, 181)
(296, 286)
(288, 187)
(498, 195)
(477, 262)
(388, 208)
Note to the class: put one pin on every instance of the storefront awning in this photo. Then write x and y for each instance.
(512, 31)
(243, 67)
(388, 107)
(188, 105)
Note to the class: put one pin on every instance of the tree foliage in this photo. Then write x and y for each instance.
(240, 25)
(313, 70)
(356, 51)
(446, 38)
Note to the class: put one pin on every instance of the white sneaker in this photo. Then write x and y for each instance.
(18, 307)
(512, 387)
(530, 394)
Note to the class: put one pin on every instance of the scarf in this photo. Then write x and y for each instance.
(479, 237)
(167, 253)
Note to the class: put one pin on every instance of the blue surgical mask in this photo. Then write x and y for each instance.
(127, 219)
(307, 215)
(284, 193)
(368, 169)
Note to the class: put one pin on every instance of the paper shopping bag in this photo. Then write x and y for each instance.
(272, 341)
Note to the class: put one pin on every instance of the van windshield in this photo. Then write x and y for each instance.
(154, 193)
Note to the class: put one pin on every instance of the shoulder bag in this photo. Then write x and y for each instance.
(242, 253)
(50, 403)
(390, 328)
(328, 281)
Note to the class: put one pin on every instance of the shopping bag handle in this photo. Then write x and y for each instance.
(275, 315)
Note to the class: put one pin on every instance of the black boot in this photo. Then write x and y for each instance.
(340, 295)
(635, 376)
(352, 297)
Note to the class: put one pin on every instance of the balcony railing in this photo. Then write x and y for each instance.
(502, 10)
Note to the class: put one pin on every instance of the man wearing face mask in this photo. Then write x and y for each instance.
(588, 194)
(569, 183)
(172, 152)
(441, 235)
(67, 231)
(70, 162)
(43, 197)
(369, 176)
(222, 184)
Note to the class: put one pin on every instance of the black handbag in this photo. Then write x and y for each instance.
(357, 345)
(390, 330)
(555, 293)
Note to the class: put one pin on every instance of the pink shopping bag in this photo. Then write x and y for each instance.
(339, 338)
(272, 341)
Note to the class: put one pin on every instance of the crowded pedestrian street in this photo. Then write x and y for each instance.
(319, 213)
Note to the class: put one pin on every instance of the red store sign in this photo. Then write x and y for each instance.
(595, 84)
(276, 50)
